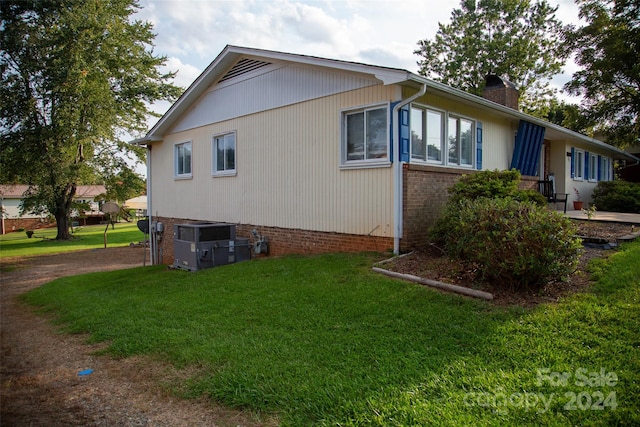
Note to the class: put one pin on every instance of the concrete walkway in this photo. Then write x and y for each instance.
(625, 218)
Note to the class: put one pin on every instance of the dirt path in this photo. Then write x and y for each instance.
(39, 381)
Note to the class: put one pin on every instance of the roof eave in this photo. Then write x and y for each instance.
(619, 154)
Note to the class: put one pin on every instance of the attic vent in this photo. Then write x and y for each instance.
(243, 66)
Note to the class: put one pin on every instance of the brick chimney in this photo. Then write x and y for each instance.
(501, 91)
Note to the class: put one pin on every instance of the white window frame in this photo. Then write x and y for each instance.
(605, 169)
(371, 162)
(593, 167)
(458, 119)
(445, 116)
(176, 160)
(578, 165)
(425, 110)
(214, 154)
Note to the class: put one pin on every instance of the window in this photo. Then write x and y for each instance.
(605, 169)
(426, 135)
(365, 135)
(593, 167)
(578, 165)
(460, 141)
(182, 160)
(224, 154)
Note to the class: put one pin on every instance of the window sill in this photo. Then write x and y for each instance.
(223, 174)
(182, 177)
(365, 165)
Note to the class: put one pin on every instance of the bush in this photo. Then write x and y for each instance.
(495, 185)
(492, 184)
(510, 242)
(617, 196)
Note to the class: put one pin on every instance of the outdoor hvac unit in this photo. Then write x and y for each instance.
(205, 245)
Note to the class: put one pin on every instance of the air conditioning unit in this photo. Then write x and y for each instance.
(207, 244)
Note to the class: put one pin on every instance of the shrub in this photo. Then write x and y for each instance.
(510, 242)
(617, 196)
(492, 184)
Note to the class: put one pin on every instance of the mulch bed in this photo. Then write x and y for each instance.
(431, 263)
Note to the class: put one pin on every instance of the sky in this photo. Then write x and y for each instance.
(191, 33)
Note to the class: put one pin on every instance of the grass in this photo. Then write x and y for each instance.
(89, 237)
(325, 341)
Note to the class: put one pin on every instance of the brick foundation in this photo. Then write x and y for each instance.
(425, 195)
(283, 241)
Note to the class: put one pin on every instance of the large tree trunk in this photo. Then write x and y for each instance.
(63, 212)
(62, 223)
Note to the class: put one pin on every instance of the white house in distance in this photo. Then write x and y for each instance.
(11, 197)
(325, 155)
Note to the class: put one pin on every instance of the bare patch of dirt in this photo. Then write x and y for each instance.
(430, 263)
(39, 380)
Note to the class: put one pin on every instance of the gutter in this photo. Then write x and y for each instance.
(397, 168)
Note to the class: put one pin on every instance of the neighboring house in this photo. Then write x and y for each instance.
(11, 197)
(325, 155)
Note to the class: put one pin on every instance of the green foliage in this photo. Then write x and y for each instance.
(515, 39)
(617, 196)
(323, 341)
(532, 196)
(492, 184)
(76, 75)
(517, 244)
(124, 185)
(570, 116)
(609, 77)
(508, 233)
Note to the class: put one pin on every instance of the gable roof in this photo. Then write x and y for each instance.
(235, 60)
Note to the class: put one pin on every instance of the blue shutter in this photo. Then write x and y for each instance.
(403, 133)
(528, 146)
(573, 162)
(405, 141)
(587, 161)
(478, 145)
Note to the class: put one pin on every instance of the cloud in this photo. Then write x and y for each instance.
(379, 32)
(186, 73)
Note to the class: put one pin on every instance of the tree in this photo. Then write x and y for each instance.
(515, 39)
(607, 49)
(124, 185)
(570, 116)
(76, 75)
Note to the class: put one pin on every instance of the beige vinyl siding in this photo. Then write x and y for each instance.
(498, 133)
(288, 173)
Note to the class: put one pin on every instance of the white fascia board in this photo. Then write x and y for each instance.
(386, 75)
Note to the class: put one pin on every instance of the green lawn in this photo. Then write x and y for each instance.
(325, 341)
(89, 237)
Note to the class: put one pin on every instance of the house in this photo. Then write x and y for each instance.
(11, 197)
(324, 155)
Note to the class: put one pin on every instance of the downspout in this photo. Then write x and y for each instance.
(397, 169)
(149, 211)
